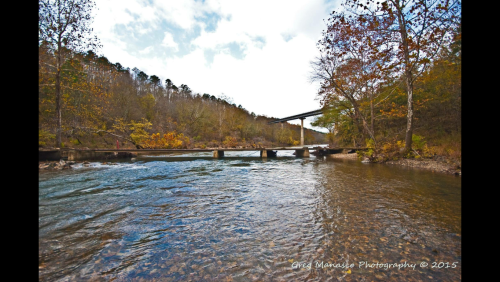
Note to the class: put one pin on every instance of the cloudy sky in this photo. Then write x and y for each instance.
(256, 52)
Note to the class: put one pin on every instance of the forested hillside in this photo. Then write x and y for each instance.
(102, 102)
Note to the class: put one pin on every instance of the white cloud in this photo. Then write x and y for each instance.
(146, 50)
(270, 79)
(168, 41)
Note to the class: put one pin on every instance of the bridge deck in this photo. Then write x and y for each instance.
(220, 149)
(88, 154)
(301, 116)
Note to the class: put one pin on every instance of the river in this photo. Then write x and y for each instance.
(242, 218)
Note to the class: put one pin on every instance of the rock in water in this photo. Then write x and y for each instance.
(43, 166)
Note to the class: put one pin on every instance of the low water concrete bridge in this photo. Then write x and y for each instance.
(301, 117)
(93, 154)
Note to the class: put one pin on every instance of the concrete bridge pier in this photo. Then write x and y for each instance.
(53, 155)
(268, 153)
(218, 154)
(263, 153)
(302, 132)
(75, 155)
(84, 155)
(301, 117)
(302, 153)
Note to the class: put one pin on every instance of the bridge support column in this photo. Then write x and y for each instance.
(302, 153)
(75, 155)
(218, 154)
(334, 151)
(49, 155)
(263, 153)
(301, 131)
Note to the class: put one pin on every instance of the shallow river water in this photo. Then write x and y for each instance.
(243, 218)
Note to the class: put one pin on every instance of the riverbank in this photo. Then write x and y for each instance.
(437, 164)
(444, 166)
(352, 156)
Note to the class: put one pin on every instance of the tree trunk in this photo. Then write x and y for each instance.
(409, 119)
(408, 77)
(372, 118)
(58, 98)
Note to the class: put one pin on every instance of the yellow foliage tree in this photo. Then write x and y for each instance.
(230, 142)
(170, 140)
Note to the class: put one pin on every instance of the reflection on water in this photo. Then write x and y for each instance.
(162, 218)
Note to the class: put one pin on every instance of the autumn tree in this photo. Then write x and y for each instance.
(64, 25)
(347, 67)
(411, 32)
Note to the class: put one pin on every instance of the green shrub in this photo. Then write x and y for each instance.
(44, 137)
(74, 141)
(370, 143)
(418, 142)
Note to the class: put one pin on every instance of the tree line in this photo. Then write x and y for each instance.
(102, 102)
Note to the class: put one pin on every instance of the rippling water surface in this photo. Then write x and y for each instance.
(243, 218)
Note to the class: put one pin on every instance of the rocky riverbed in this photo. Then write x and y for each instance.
(61, 165)
(55, 165)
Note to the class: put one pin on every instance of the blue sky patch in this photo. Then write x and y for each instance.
(236, 50)
(137, 41)
(259, 41)
(211, 20)
(287, 36)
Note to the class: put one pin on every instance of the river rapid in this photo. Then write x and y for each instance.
(242, 218)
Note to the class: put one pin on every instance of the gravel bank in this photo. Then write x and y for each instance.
(352, 156)
(439, 165)
(429, 164)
